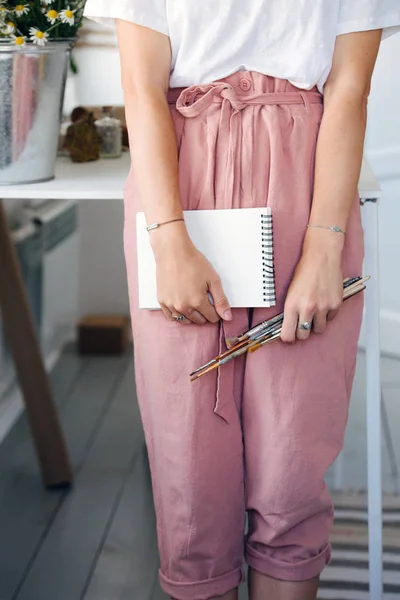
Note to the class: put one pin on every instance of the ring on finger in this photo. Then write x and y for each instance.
(178, 318)
(305, 325)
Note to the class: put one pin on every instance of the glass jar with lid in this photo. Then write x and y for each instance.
(110, 130)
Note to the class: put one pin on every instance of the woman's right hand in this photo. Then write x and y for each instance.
(185, 278)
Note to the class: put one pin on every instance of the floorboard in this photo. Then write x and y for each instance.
(65, 558)
(28, 511)
(16, 449)
(128, 564)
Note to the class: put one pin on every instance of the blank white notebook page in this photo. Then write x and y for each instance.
(237, 242)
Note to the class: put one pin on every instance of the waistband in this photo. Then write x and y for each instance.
(193, 100)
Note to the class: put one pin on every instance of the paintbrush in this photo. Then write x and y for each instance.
(215, 363)
(232, 352)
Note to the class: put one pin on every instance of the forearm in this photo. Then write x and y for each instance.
(338, 158)
(341, 139)
(315, 293)
(154, 154)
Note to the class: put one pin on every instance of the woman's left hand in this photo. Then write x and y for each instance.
(316, 291)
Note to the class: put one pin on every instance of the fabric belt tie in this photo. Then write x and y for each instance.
(194, 100)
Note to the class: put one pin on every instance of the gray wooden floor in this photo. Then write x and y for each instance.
(98, 541)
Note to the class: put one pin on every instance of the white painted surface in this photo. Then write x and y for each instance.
(373, 397)
(102, 275)
(98, 82)
(98, 180)
(383, 151)
(60, 294)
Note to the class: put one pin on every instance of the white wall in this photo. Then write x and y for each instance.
(98, 83)
(383, 150)
(102, 275)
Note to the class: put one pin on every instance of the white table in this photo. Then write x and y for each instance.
(103, 180)
(98, 180)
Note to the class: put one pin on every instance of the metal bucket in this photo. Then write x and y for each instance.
(32, 84)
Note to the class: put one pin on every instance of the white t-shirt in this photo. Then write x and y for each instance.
(289, 39)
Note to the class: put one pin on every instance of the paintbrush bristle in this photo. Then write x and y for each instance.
(231, 341)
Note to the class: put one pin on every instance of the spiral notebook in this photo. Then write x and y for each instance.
(237, 242)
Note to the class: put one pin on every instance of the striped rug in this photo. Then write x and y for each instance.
(347, 576)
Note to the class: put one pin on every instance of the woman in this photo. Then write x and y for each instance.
(260, 435)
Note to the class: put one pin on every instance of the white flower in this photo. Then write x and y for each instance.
(8, 28)
(67, 16)
(38, 37)
(52, 16)
(19, 40)
(21, 9)
(3, 13)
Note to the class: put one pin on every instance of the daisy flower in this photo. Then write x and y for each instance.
(52, 16)
(8, 28)
(21, 9)
(3, 12)
(67, 16)
(19, 40)
(38, 37)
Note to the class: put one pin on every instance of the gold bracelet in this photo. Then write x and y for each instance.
(156, 225)
(334, 228)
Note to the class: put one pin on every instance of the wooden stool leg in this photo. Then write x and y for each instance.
(33, 379)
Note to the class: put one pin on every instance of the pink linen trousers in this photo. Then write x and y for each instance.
(259, 434)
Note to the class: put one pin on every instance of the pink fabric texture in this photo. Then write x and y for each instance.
(260, 434)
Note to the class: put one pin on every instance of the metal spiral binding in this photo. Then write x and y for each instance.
(267, 251)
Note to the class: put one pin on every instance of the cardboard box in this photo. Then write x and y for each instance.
(103, 334)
